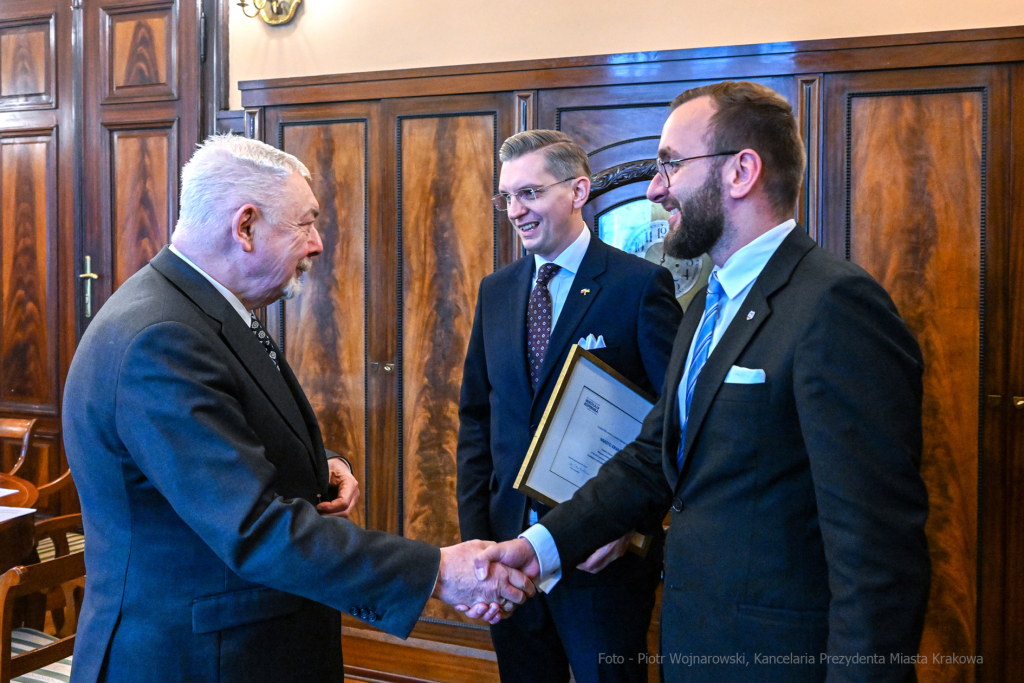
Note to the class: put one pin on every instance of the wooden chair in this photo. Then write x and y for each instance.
(24, 430)
(17, 429)
(25, 650)
(55, 537)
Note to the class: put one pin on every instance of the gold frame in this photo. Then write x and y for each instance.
(640, 543)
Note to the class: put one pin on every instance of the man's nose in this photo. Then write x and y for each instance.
(315, 242)
(515, 207)
(656, 191)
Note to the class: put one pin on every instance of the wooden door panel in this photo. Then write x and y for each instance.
(138, 52)
(325, 327)
(28, 246)
(27, 63)
(144, 188)
(908, 195)
(141, 117)
(446, 233)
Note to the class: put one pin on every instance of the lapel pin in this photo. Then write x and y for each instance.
(750, 316)
(584, 292)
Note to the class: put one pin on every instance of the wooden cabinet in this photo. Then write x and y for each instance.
(916, 173)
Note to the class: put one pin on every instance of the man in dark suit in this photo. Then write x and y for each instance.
(570, 287)
(787, 440)
(212, 555)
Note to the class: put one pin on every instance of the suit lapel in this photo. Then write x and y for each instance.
(514, 332)
(238, 337)
(673, 377)
(575, 307)
(751, 315)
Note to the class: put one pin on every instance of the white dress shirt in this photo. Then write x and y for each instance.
(232, 299)
(561, 283)
(737, 277)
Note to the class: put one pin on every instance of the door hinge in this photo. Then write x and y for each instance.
(202, 38)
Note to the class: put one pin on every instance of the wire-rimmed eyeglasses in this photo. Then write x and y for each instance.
(524, 196)
(670, 165)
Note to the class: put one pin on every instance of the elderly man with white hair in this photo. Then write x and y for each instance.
(215, 552)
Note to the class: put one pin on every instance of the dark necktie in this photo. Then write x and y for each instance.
(264, 338)
(538, 321)
(701, 351)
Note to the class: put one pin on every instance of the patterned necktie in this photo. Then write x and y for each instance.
(538, 321)
(701, 351)
(264, 338)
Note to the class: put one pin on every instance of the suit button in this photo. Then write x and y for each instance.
(373, 617)
(677, 505)
(353, 611)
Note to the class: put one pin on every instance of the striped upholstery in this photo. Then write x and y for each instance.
(25, 639)
(76, 542)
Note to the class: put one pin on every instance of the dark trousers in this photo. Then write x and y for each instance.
(595, 623)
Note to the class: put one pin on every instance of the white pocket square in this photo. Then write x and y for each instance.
(738, 375)
(590, 343)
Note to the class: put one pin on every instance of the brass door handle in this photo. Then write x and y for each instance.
(1018, 402)
(88, 276)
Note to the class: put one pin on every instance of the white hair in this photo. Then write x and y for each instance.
(226, 172)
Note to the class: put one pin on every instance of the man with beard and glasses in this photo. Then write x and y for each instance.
(787, 440)
(216, 552)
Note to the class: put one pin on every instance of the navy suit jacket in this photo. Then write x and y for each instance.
(627, 300)
(798, 519)
(199, 465)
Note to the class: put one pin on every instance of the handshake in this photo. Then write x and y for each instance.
(486, 580)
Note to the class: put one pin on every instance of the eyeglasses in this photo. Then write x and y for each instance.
(670, 166)
(524, 196)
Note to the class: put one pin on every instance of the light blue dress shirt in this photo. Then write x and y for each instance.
(737, 277)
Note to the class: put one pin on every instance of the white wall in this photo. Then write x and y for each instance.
(344, 36)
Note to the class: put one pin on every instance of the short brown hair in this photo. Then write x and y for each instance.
(750, 115)
(565, 158)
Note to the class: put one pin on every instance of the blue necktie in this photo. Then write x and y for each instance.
(701, 351)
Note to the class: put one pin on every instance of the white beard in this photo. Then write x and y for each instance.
(294, 286)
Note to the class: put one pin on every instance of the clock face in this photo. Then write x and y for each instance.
(685, 272)
(639, 228)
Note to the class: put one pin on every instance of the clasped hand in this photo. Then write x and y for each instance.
(482, 579)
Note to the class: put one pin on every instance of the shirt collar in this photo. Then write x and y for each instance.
(571, 258)
(232, 299)
(746, 264)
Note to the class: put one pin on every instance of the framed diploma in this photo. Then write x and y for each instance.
(593, 413)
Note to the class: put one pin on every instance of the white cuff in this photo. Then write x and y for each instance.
(547, 554)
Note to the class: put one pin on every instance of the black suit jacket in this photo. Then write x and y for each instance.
(798, 520)
(625, 299)
(199, 465)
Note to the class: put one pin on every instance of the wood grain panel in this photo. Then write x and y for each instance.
(325, 325)
(27, 249)
(144, 183)
(140, 54)
(1012, 513)
(24, 60)
(446, 235)
(369, 654)
(916, 179)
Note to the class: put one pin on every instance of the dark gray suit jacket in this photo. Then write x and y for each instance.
(798, 521)
(199, 466)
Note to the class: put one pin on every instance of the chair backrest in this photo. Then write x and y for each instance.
(64, 572)
(17, 428)
(62, 532)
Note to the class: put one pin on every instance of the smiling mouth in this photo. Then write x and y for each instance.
(527, 228)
